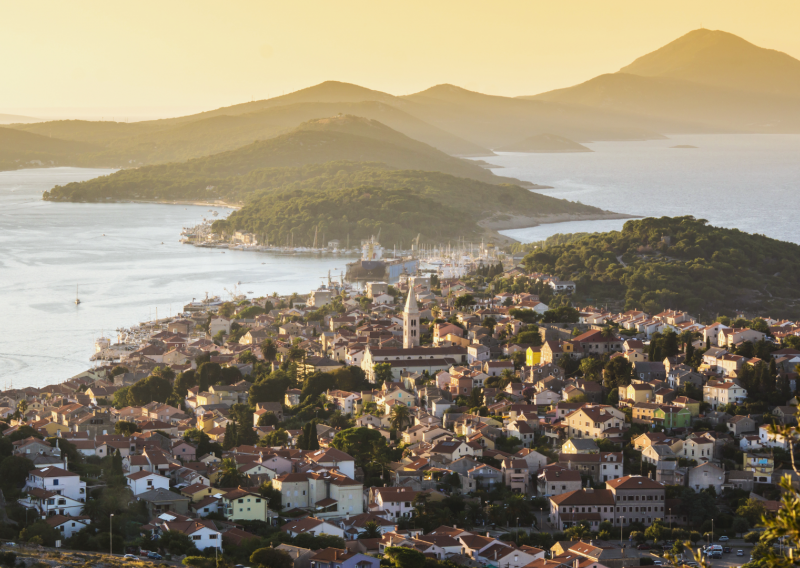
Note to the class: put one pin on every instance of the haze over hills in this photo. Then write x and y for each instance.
(705, 81)
(545, 144)
(342, 137)
(17, 147)
(338, 138)
(17, 119)
(721, 59)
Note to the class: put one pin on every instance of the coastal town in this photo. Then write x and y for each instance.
(452, 418)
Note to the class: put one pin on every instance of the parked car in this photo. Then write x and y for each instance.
(144, 553)
(130, 557)
(726, 549)
(154, 556)
(740, 553)
(724, 539)
(644, 546)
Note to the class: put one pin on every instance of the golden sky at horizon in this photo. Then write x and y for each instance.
(175, 56)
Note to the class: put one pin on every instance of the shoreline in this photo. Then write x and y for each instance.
(526, 221)
(155, 202)
(492, 228)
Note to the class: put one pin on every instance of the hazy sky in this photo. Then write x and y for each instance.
(148, 57)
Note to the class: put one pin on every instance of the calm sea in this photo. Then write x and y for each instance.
(750, 182)
(47, 249)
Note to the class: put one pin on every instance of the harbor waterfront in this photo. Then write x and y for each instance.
(129, 265)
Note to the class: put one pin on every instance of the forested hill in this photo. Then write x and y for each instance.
(314, 142)
(359, 199)
(681, 263)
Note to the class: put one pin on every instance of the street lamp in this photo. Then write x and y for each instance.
(111, 535)
(620, 530)
(517, 531)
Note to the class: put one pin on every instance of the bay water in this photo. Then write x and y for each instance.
(114, 253)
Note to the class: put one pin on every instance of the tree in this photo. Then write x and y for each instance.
(185, 381)
(125, 428)
(176, 542)
(400, 416)
(275, 439)
(229, 441)
(752, 537)
(655, 532)
(383, 373)
(268, 419)
(361, 443)
(269, 350)
(230, 476)
(638, 536)
(199, 562)
(464, 301)
(618, 372)
(740, 525)
(752, 510)
(489, 322)
(371, 530)
(271, 558)
(579, 531)
(402, 557)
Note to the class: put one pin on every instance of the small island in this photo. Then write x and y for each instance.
(545, 144)
(683, 146)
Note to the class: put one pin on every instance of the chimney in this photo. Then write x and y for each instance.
(576, 563)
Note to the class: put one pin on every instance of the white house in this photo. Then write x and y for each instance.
(58, 481)
(48, 503)
(143, 481)
(311, 525)
(67, 526)
(717, 393)
(769, 440)
(219, 323)
(714, 334)
(204, 533)
(393, 502)
(477, 352)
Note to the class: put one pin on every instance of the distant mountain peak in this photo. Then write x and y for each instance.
(721, 59)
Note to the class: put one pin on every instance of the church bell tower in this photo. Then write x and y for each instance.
(411, 319)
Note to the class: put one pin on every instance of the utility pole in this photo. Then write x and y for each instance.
(110, 535)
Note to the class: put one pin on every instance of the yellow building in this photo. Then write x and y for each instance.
(205, 422)
(241, 505)
(533, 356)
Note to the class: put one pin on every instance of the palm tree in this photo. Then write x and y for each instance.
(371, 530)
(436, 311)
(269, 350)
(400, 416)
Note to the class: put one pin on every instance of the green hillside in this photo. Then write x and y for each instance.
(679, 263)
(357, 199)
